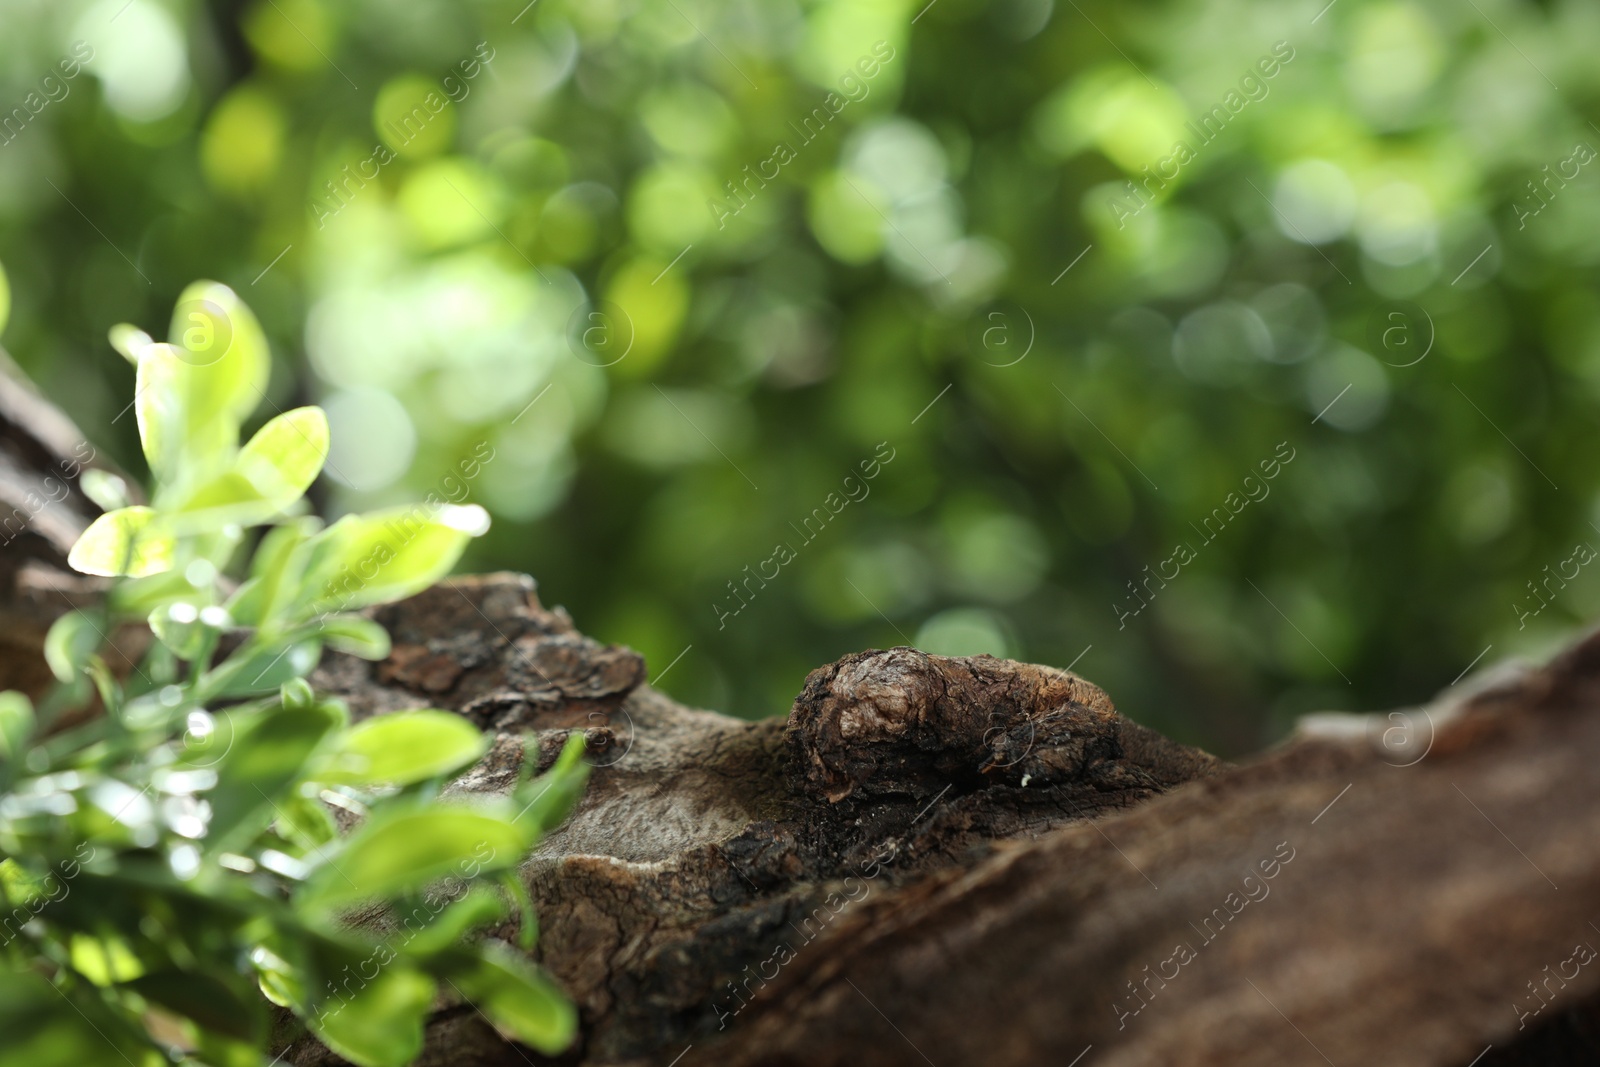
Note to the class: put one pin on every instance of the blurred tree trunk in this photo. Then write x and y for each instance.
(965, 861)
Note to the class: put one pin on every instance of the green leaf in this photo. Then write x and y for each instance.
(404, 747)
(130, 341)
(229, 499)
(274, 573)
(519, 999)
(305, 822)
(269, 754)
(265, 670)
(480, 907)
(104, 488)
(127, 541)
(140, 596)
(194, 393)
(203, 998)
(286, 455)
(5, 299)
(72, 639)
(380, 1025)
(546, 801)
(407, 851)
(356, 635)
(179, 627)
(387, 555)
(16, 724)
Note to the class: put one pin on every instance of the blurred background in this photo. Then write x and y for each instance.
(773, 331)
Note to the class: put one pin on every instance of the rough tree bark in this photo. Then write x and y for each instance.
(964, 861)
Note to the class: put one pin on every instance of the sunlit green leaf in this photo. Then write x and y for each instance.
(194, 393)
(129, 541)
(387, 555)
(409, 850)
(104, 488)
(285, 455)
(130, 341)
(403, 747)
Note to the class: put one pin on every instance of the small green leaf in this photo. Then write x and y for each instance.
(296, 693)
(72, 639)
(380, 1025)
(407, 851)
(127, 541)
(274, 572)
(179, 627)
(519, 999)
(356, 635)
(140, 596)
(546, 801)
(229, 499)
(305, 822)
(194, 393)
(16, 724)
(269, 753)
(267, 669)
(404, 747)
(104, 488)
(286, 455)
(5, 299)
(480, 907)
(387, 555)
(130, 341)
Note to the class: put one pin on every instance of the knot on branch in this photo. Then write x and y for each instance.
(902, 721)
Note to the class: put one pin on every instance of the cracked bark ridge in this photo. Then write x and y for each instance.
(492, 652)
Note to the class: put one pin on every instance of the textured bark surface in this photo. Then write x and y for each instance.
(973, 861)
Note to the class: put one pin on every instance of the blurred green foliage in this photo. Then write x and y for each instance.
(506, 229)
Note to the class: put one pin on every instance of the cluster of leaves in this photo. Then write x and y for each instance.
(165, 863)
